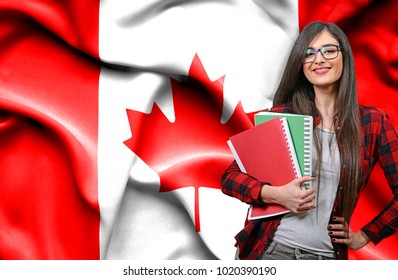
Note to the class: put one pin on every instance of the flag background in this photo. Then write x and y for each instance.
(114, 117)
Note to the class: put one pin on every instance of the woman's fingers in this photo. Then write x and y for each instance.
(339, 229)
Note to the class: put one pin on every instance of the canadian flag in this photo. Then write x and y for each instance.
(114, 117)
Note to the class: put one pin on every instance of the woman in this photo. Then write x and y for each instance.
(319, 80)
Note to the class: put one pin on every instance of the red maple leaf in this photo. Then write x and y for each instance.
(193, 150)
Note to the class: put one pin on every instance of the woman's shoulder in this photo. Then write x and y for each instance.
(373, 118)
(371, 112)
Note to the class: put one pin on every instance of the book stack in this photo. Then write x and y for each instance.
(300, 128)
(277, 150)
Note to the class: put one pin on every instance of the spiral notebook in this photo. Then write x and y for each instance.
(301, 127)
(266, 152)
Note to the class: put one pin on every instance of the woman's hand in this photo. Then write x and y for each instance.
(291, 195)
(342, 233)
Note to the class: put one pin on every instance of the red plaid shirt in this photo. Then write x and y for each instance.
(380, 145)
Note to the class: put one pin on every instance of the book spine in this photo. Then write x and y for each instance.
(290, 146)
(308, 126)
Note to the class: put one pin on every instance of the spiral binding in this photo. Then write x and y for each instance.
(307, 148)
(289, 142)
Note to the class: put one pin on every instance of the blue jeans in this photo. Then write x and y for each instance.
(277, 251)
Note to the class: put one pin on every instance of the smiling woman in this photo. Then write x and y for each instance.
(319, 80)
(322, 65)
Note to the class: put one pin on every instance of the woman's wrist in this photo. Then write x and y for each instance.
(267, 194)
(363, 238)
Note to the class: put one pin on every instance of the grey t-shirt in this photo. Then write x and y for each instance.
(308, 231)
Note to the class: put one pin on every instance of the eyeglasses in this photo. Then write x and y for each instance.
(328, 52)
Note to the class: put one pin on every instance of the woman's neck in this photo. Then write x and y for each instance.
(325, 103)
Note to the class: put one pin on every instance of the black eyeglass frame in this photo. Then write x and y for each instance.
(322, 52)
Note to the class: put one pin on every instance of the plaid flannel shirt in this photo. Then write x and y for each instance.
(380, 145)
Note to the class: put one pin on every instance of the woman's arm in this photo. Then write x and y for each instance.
(241, 186)
(386, 153)
(248, 189)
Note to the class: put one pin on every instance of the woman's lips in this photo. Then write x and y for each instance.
(321, 70)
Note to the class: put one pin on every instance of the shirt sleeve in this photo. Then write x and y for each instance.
(386, 222)
(241, 185)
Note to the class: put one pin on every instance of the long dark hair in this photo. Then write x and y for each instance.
(294, 87)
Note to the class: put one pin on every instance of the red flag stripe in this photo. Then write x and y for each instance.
(48, 195)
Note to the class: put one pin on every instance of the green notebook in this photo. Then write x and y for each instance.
(300, 127)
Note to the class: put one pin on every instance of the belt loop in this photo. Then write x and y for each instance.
(297, 254)
(271, 247)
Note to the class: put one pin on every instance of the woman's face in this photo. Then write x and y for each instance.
(323, 73)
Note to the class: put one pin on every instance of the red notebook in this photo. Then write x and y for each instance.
(266, 152)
